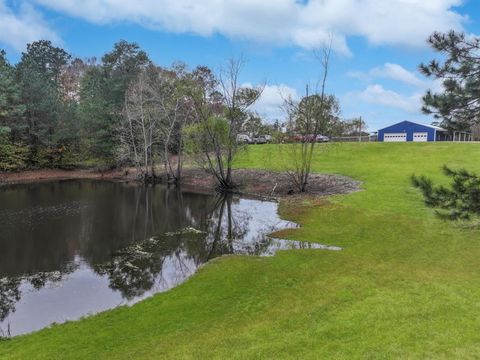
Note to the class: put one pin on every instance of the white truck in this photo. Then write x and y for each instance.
(244, 138)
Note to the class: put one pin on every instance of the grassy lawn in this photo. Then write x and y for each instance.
(406, 285)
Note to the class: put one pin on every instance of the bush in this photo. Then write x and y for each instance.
(61, 157)
(12, 156)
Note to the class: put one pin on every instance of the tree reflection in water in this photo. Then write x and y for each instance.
(168, 259)
(114, 243)
(10, 292)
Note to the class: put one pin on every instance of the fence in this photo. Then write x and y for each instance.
(457, 136)
(365, 138)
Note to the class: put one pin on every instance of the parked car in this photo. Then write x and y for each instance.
(259, 140)
(322, 138)
(318, 138)
(268, 138)
(295, 138)
(244, 138)
(307, 138)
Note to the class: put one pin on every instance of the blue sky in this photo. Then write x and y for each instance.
(378, 44)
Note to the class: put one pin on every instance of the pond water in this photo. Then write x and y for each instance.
(74, 248)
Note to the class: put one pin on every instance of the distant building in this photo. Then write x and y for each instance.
(409, 131)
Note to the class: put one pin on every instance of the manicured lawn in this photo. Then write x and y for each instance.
(406, 285)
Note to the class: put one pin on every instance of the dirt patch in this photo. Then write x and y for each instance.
(250, 181)
(57, 174)
(274, 184)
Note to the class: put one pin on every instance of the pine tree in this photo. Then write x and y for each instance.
(38, 75)
(460, 201)
(11, 107)
(458, 106)
(102, 95)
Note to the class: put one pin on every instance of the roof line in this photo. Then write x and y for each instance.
(430, 126)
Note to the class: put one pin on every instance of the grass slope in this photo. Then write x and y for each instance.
(407, 285)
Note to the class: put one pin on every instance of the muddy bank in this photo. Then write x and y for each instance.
(274, 184)
(57, 174)
(250, 181)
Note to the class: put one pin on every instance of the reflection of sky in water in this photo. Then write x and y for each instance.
(133, 272)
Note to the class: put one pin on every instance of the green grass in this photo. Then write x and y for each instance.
(406, 285)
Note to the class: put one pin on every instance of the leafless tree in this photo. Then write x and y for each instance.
(139, 130)
(71, 77)
(175, 110)
(307, 118)
(156, 110)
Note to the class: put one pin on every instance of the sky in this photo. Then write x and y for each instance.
(377, 45)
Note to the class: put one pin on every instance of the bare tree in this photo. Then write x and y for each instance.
(307, 118)
(139, 130)
(175, 110)
(237, 100)
(156, 110)
(221, 107)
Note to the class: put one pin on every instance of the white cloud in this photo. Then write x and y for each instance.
(360, 75)
(399, 73)
(390, 71)
(377, 94)
(269, 106)
(288, 22)
(23, 26)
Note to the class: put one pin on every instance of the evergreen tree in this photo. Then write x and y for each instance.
(458, 106)
(97, 114)
(122, 65)
(12, 153)
(11, 107)
(37, 74)
(102, 95)
(461, 201)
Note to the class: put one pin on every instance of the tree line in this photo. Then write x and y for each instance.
(58, 111)
(124, 110)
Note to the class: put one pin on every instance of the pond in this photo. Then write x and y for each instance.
(78, 247)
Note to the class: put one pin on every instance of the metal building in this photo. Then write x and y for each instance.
(409, 131)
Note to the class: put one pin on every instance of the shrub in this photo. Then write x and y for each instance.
(12, 156)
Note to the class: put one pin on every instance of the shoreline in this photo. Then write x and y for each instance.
(251, 182)
(28, 176)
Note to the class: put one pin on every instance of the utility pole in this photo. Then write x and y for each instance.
(360, 129)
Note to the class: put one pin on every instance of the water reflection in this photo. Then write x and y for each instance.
(73, 248)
